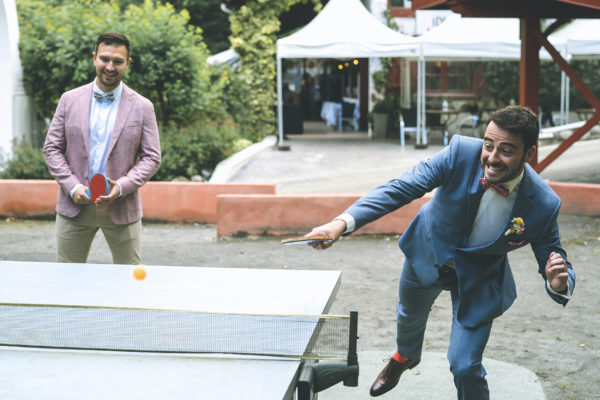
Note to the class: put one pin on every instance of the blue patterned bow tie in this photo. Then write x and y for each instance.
(108, 96)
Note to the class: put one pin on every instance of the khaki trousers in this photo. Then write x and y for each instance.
(74, 236)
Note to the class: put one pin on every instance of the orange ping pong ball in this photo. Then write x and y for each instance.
(139, 273)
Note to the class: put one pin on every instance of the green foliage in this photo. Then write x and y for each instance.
(587, 70)
(56, 44)
(168, 62)
(502, 79)
(168, 56)
(207, 14)
(383, 106)
(27, 161)
(196, 149)
(254, 26)
(233, 93)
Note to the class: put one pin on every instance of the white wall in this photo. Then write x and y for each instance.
(17, 118)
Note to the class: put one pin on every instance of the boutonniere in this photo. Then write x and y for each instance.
(517, 226)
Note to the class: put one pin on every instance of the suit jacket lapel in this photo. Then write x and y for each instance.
(525, 196)
(474, 194)
(125, 108)
(83, 109)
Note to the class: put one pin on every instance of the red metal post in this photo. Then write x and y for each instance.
(529, 86)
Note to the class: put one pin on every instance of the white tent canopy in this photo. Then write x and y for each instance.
(478, 39)
(582, 38)
(343, 29)
(473, 38)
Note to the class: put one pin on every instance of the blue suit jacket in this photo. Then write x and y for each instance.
(440, 230)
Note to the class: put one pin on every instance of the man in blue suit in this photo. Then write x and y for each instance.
(488, 202)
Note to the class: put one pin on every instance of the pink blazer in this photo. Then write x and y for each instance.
(66, 150)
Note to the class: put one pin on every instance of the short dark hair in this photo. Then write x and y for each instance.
(117, 38)
(520, 121)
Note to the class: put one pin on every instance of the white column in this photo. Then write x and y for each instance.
(16, 108)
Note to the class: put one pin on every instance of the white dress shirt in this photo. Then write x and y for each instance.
(493, 213)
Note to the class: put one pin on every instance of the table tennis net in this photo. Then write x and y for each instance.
(323, 337)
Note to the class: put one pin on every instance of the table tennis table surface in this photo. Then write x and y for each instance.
(31, 373)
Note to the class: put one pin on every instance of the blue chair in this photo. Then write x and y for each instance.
(408, 123)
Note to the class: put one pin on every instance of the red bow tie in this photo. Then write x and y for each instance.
(500, 189)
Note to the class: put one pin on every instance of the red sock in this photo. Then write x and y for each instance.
(398, 357)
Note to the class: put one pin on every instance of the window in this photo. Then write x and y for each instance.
(433, 76)
(401, 8)
(459, 77)
(448, 76)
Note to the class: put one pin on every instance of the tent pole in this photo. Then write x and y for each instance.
(423, 99)
(369, 104)
(567, 98)
(563, 77)
(418, 143)
(279, 102)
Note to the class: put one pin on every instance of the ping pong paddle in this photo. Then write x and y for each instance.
(305, 240)
(98, 187)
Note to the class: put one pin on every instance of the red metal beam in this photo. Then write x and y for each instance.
(568, 142)
(558, 59)
(514, 8)
(583, 3)
(585, 91)
(422, 4)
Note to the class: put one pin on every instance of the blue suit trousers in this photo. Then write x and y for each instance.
(465, 351)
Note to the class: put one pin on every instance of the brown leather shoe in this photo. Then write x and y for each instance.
(389, 376)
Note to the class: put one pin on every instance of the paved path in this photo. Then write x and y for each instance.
(350, 162)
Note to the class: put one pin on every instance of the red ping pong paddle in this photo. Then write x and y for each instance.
(98, 187)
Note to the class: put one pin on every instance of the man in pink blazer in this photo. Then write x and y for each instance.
(102, 127)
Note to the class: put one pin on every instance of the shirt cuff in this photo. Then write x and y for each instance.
(72, 191)
(349, 220)
(552, 291)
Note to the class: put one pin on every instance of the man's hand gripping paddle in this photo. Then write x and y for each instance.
(98, 187)
(307, 240)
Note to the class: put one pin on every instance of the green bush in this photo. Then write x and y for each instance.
(195, 150)
(168, 56)
(27, 162)
(254, 28)
(233, 94)
(587, 70)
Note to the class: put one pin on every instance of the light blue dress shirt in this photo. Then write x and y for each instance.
(103, 114)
